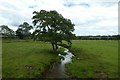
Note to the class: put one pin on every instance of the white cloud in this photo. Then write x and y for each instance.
(91, 17)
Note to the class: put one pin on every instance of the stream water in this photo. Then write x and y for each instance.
(58, 69)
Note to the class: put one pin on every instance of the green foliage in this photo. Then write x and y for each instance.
(94, 59)
(52, 27)
(5, 31)
(23, 31)
(98, 37)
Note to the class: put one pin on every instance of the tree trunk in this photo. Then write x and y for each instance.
(53, 46)
(56, 46)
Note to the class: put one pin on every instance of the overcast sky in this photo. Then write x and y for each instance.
(91, 17)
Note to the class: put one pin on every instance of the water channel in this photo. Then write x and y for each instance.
(58, 69)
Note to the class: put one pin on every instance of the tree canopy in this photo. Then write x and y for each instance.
(6, 31)
(23, 30)
(52, 27)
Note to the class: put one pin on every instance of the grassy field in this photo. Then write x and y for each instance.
(94, 59)
(25, 59)
(28, 59)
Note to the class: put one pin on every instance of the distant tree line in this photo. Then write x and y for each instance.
(23, 31)
(6, 32)
(99, 37)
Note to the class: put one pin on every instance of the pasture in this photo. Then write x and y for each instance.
(94, 59)
(25, 59)
(28, 59)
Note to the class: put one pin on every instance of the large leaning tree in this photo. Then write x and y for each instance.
(52, 27)
(23, 30)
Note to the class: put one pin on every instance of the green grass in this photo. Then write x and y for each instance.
(94, 59)
(25, 59)
(28, 59)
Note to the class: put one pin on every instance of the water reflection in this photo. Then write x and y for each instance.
(58, 69)
(67, 57)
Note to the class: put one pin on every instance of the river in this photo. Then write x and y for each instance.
(58, 69)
